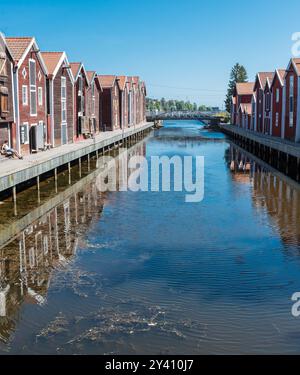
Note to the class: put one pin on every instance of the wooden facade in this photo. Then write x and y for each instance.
(30, 97)
(242, 95)
(110, 102)
(123, 100)
(93, 102)
(267, 106)
(259, 86)
(81, 120)
(7, 118)
(45, 101)
(277, 102)
(60, 98)
(291, 102)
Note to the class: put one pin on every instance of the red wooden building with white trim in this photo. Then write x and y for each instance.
(259, 87)
(81, 85)
(291, 102)
(60, 98)
(30, 94)
(277, 86)
(242, 94)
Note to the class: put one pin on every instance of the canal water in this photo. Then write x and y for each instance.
(148, 273)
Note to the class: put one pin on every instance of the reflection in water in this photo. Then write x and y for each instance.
(132, 273)
(28, 261)
(270, 193)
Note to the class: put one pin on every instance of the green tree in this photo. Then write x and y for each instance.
(238, 75)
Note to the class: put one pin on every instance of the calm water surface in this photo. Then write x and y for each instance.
(134, 273)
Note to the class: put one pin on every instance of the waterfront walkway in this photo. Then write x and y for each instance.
(278, 144)
(14, 171)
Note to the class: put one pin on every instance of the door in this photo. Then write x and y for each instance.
(40, 136)
(64, 134)
(32, 139)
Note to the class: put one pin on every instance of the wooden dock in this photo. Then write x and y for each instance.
(282, 154)
(15, 172)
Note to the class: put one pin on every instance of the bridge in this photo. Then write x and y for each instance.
(209, 118)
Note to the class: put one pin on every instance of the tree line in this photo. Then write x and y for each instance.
(163, 105)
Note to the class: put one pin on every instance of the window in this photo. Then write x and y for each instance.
(24, 95)
(93, 88)
(80, 85)
(277, 120)
(32, 77)
(277, 95)
(63, 99)
(268, 101)
(40, 96)
(3, 103)
(24, 133)
(291, 101)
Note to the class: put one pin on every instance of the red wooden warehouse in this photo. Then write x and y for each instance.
(60, 98)
(30, 94)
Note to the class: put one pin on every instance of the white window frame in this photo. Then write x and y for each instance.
(32, 88)
(277, 95)
(40, 96)
(80, 85)
(63, 100)
(25, 91)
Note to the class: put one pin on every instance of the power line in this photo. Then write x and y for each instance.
(185, 88)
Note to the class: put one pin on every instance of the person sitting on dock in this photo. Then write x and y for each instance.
(6, 150)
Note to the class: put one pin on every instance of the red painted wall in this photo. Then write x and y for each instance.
(24, 110)
(277, 107)
(290, 132)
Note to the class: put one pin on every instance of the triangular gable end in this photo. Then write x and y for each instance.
(64, 60)
(5, 46)
(277, 76)
(38, 53)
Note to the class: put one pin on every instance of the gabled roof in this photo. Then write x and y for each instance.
(296, 65)
(76, 67)
(54, 60)
(262, 78)
(246, 108)
(90, 75)
(134, 81)
(107, 81)
(122, 82)
(268, 83)
(19, 48)
(280, 74)
(245, 88)
(3, 42)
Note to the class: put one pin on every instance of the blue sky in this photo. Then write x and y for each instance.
(183, 49)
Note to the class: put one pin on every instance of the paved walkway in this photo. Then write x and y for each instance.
(8, 166)
(276, 143)
(15, 171)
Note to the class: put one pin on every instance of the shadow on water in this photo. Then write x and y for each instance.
(130, 273)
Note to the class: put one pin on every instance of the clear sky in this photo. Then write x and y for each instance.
(183, 49)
